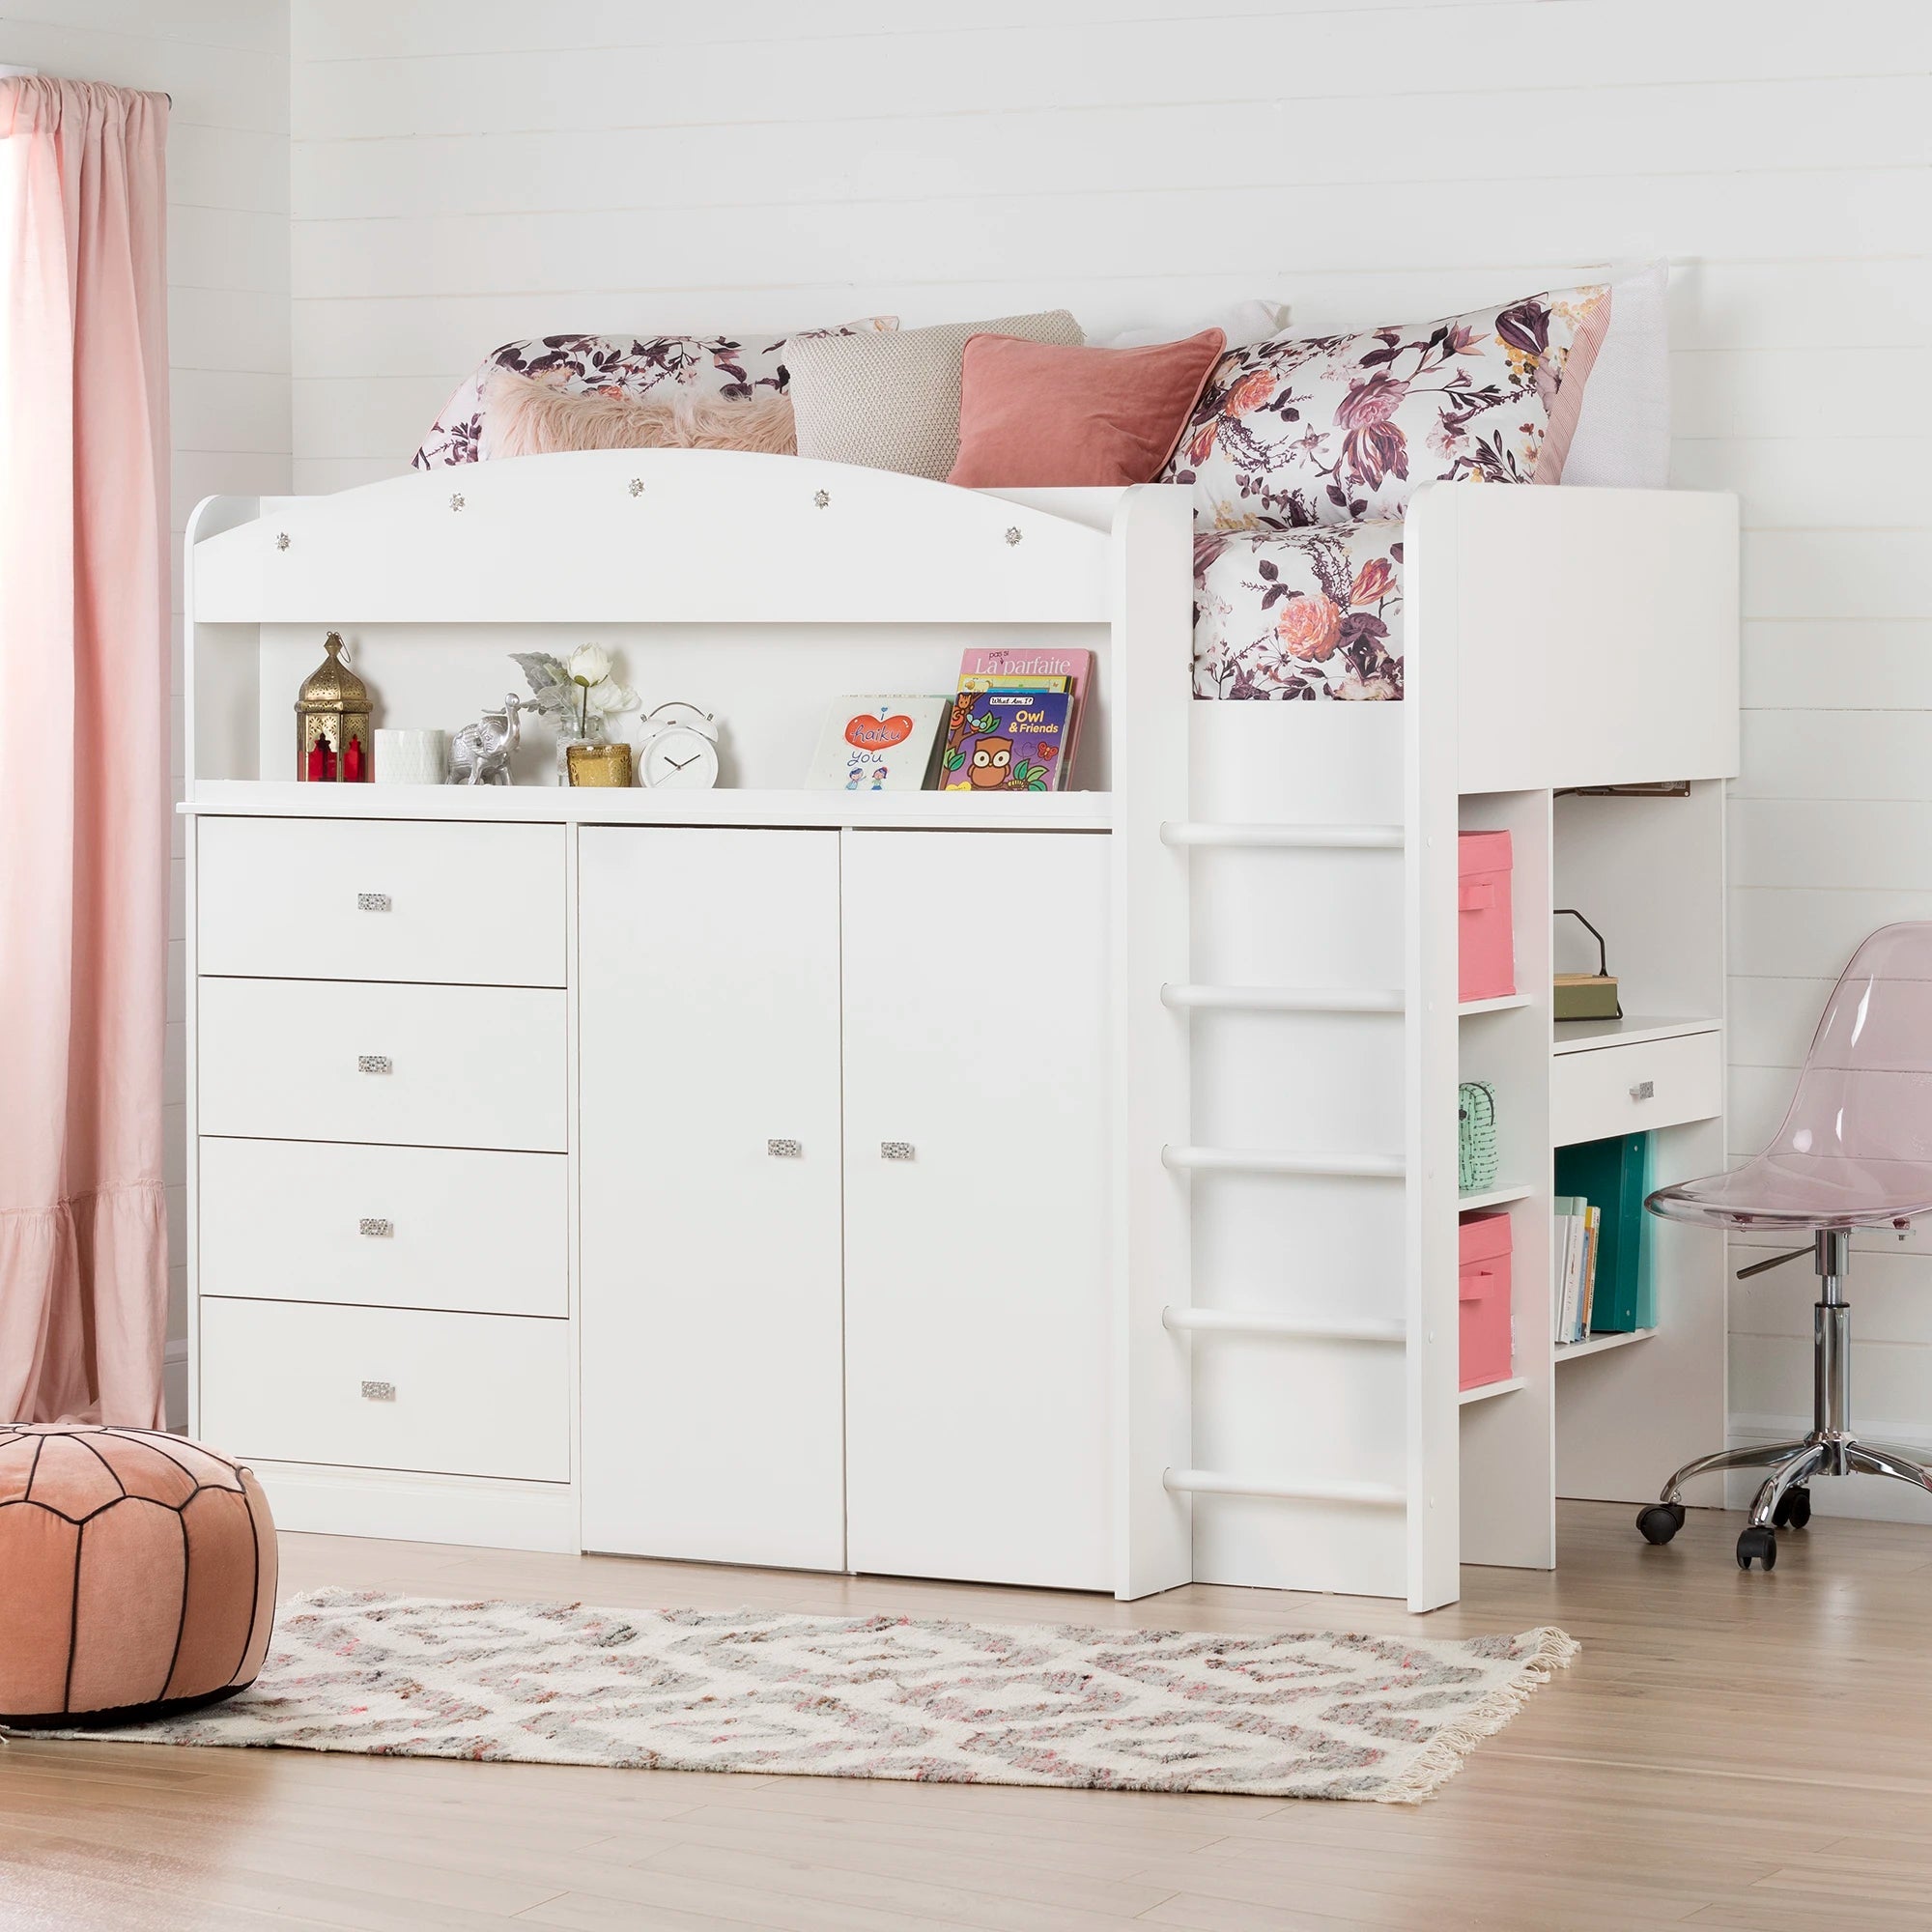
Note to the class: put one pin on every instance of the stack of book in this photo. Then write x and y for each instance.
(1014, 724)
(1604, 1284)
(1011, 723)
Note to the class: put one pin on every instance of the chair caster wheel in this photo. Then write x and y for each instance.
(1794, 1509)
(1659, 1522)
(1759, 1545)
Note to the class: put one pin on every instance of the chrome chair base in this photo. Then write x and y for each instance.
(1783, 1499)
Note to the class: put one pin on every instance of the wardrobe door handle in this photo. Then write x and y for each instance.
(374, 1224)
(373, 902)
(784, 1150)
(374, 1062)
(896, 1151)
(379, 1391)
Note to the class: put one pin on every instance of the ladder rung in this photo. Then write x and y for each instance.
(1260, 1160)
(1303, 1327)
(1313, 838)
(1286, 999)
(1216, 1482)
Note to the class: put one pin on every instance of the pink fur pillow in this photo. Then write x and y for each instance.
(521, 417)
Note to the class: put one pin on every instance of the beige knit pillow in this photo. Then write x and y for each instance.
(521, 417)
(892, 402)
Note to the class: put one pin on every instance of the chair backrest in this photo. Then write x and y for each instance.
(1865, 1091)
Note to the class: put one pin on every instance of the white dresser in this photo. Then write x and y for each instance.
(839, 1146)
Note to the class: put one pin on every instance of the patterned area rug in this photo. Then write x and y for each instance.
(1326, 1716)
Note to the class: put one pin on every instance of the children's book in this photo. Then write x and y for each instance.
(1006, 741)
(878, 741)
(1045, 667)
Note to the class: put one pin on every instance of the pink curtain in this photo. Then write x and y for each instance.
(83, 750)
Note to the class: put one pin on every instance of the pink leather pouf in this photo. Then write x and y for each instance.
(137, 1574)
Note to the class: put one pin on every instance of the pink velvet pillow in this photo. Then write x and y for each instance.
(1041, 413)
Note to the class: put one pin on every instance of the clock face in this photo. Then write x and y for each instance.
(680, 760)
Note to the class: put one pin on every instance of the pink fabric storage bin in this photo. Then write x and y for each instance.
(1483, 1293)
(1486, 938)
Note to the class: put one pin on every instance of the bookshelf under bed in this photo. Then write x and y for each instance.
(1093, 1223)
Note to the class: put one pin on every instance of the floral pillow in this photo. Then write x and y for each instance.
(1342, 429)
(1304, 613)
(733, 367)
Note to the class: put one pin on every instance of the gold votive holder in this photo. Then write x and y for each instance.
(600, 764)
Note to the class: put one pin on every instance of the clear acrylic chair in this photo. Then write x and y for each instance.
(1855, 1151)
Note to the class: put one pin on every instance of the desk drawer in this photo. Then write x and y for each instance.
(408, 1226)
(456, 1395)
(318, 1060)
(1603, 1092)
(381, 899)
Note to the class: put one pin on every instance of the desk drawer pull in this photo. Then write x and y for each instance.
(372, 902)
(1645, 1090)
(374, 1062)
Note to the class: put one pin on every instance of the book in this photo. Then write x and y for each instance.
(1593, 1224)
(1006, 741)
(878, 741)
(1041, 665)
(969, 681)
(1566, 1211)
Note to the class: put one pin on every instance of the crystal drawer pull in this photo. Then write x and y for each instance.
(784, 1150)
(1645, 1090)
(373, 1224)
(374, 1062)
(379, 1391)
(894, 1150)
(372, 902)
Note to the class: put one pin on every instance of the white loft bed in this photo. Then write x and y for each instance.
(1237, 1360)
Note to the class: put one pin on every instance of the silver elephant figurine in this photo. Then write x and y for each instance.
(480, 754)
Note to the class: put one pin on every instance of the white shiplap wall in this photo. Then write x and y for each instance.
(225, 62)
(465, 171)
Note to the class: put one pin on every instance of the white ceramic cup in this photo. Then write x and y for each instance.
(412, 757)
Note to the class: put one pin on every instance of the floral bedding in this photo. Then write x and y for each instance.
(620, 365)
(1300, 614)
(1342, 429)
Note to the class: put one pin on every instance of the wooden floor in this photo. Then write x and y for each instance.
(1730, 1750)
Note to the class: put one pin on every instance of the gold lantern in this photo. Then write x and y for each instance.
(332, 739)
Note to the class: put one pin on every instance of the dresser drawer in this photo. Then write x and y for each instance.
(319, 1059)
(411, 1227)
(386, 1388)
(1628, 1090)
(381, 899)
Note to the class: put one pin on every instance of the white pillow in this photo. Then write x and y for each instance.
(1622, 430)
(1242, 323)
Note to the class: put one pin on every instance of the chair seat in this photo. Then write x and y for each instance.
(1782, 1189)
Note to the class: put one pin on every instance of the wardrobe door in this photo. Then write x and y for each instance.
(708, 1057)
(977, 1223)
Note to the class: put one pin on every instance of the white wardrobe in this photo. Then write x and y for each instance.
(843, 1133)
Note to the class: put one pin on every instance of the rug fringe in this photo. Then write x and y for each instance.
(1442, 1757)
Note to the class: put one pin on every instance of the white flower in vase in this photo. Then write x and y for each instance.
(589, 664)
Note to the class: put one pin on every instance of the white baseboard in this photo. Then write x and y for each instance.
(1870, 1497)
(475, 1511)
(174, 1384)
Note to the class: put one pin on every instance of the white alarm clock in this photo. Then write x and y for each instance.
(678, 753)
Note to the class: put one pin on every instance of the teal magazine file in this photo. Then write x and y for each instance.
(1614, 1176)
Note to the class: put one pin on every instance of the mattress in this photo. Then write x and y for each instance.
(1306, 614)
